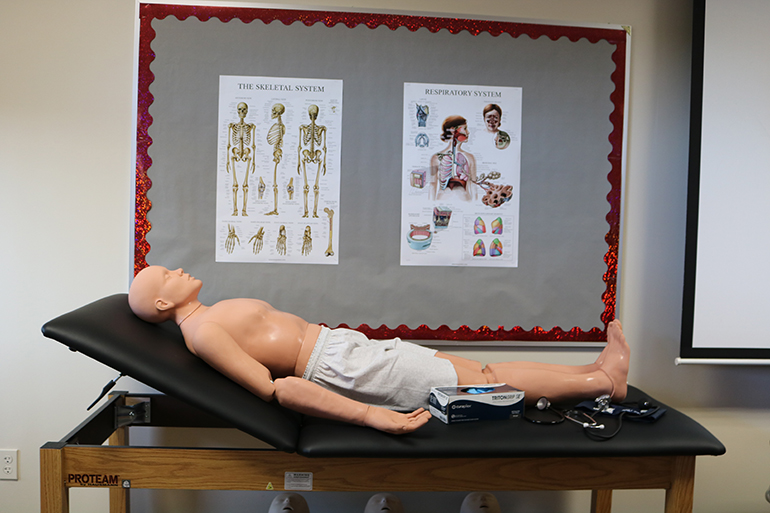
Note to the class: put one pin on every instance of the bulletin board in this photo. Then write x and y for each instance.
(572, 82)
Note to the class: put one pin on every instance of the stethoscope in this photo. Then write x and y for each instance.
(591, 427)
(578, 417)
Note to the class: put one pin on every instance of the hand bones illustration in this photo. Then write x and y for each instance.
(257, 239)
(232, 239)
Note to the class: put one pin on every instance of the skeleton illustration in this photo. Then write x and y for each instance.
(307, 242)
(257, 239)
(275, 139)
(241, 146)
(312, 136)
(232, 239)
(280, 244)
(330, 213)
(290, 188)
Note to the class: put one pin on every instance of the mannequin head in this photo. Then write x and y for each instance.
(480, 502)
(289, 503)
(157, 292)
(384, 502)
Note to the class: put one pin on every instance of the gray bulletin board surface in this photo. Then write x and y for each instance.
(573, 88)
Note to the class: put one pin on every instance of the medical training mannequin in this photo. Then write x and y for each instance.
(268, 351)
(480, 502)
(384, 502)
(292, 502)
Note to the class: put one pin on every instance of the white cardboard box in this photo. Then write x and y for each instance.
(476, 402)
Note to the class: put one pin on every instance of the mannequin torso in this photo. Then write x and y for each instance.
(280, 341)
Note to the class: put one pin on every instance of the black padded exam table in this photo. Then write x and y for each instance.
(484, 456)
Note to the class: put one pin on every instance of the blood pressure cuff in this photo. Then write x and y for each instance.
(631, 411)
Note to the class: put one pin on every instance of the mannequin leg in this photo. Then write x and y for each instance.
(616, 341)
(557, 382)
(609, 377)
(537, 382)
(473, 365)
(556, 386)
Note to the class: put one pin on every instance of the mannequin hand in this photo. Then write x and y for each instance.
(394, 422)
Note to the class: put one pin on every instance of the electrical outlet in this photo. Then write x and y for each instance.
(9, 464)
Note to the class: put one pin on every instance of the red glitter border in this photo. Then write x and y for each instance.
(617, 37)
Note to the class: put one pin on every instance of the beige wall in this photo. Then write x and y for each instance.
(65, 161)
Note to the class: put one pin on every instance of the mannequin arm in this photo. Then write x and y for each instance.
(306, 397)
(215, 346)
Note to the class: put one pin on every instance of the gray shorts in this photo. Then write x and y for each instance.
(392, 373)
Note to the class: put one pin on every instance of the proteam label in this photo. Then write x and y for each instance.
(93, 480)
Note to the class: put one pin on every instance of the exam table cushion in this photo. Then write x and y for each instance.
(155, 354)
(109, 332)
(673, 434)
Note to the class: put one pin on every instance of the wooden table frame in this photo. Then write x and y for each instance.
(79, 460)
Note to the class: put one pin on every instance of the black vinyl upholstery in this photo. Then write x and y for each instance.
(673, 434)
(108, 331)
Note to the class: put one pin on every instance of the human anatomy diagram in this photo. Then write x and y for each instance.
(241, 146)
(275, 139)
(312, 150)
(461, 170)
(259, 118)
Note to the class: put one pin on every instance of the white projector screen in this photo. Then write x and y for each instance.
(727, 276)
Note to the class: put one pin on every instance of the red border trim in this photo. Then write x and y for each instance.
(617, 37)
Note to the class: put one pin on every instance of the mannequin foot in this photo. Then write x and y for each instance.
(615, 362)
(603, 355)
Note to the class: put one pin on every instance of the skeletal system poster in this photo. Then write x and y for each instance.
(460, 175)
(278, 172)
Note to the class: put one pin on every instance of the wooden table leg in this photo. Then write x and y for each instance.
(601, 501)
(679, 498)
(119, 496)
(54, 495)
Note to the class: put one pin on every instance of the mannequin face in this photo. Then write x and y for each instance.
(384, 502)
(480, 502)
(289, 503)
(157, 290)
